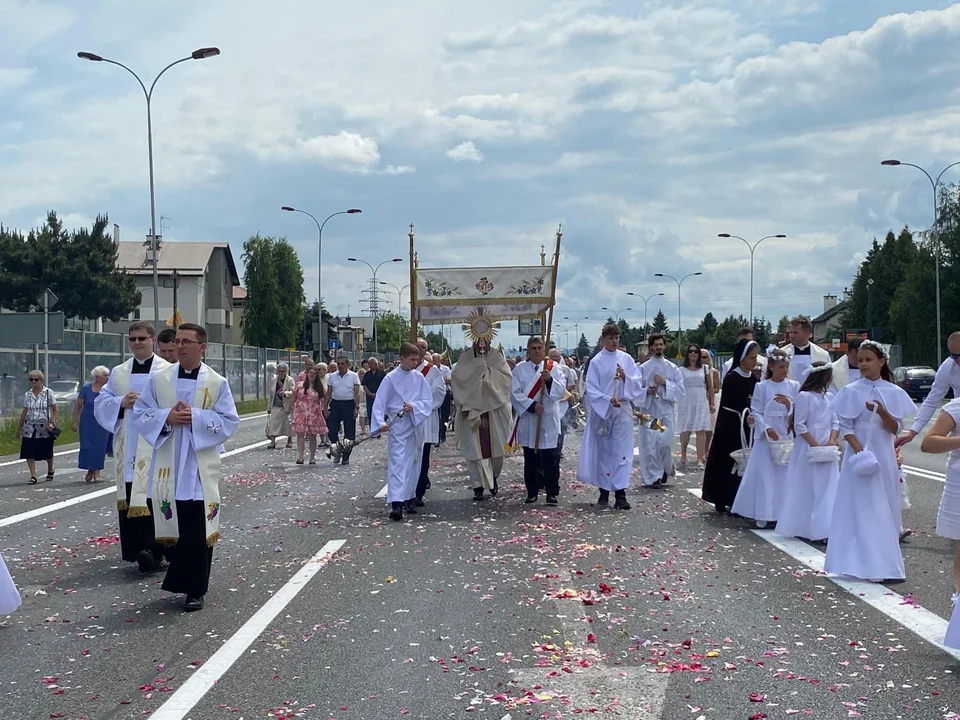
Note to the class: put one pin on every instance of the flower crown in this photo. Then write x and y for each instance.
(876, 346)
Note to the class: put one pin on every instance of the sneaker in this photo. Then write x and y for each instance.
(552, 500)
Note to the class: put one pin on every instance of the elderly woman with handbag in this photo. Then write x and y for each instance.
(95, 441)
(37, 427)
(278, 410)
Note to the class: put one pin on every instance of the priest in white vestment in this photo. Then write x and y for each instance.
(606, 456)
(431, 430)
(801, 351)
(539, 385)
(403, 390)
(481, 391)
(185, 412)
(662, 389)
(113, 411)
(846, 370)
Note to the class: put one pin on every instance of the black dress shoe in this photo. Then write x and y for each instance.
(495, 490)
(411, 507)
(552, 500)
(663, 480)
(396, 512)
(193, 604)
(620, 502)
(531, 499)
(478, 494)
(146, 561)
(419, 502)
(604, 498)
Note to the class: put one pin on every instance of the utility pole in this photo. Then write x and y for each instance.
(176, 282)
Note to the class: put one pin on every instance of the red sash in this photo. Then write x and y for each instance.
(426, 369)
(532, 394)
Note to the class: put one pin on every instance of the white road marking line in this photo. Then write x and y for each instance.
(382, 493)
(922, 622)
(46, 509)
(924, 473)
(206, 676)
(74, 451)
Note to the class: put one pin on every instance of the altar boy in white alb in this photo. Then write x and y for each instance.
(185, 412)
(663, 388)
(431, 430)
(405, 391)
(539, 385)
(113, 410)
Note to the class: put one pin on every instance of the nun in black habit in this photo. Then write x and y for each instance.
(720, 480)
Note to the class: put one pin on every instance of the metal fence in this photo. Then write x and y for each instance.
(247, 369)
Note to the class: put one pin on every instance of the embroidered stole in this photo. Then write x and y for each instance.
(532, 392)
(120, 376)
(165, 480)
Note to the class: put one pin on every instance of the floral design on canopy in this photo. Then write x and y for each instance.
(484, 287)
(440, 289)
(532, 286)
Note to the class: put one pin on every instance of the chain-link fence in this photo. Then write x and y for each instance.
(247, 369)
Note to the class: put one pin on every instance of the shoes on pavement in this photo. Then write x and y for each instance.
(146, 561)
(663, 480)
(620, 501)
(495, 490)
(419, 502)
(604, 498)
(411, 507)
(396, 511)
(905, 533)
(531, 499)
(478, 494)
(552, 500)
(193, 604)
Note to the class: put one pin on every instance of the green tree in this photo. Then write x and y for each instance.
(274, 282)
(79, 266)
(703, 334)
(660, 323)
(583, 347)
(392, 331)
(783, 325)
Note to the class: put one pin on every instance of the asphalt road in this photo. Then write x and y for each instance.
(490, 610)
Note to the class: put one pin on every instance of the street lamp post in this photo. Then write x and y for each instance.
(679, 283)
(752, 249)
(566, 332)
(399, 310)
(933, 229)
(869, 307)
(320, 225)
(199, 54)
(576, 325)
(645, 301)
(376, 349)
(617, 313)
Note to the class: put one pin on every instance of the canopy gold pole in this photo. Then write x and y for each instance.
(413, 289)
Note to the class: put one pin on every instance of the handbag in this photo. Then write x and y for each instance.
(823, 454)
(865, 463)
(780, 449)
(741, 456)
(55, 431)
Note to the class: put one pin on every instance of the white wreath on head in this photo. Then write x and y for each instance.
(877, 346)
(811, 369)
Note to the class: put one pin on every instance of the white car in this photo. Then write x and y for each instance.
(65, 391)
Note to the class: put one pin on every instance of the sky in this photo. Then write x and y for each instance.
(644, 127)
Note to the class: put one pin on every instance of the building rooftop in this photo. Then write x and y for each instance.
(187, 258)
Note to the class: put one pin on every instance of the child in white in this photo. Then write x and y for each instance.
(864, 531)
(403, 390)
(9, 596)
(944, 437)
(761, 491)
(811, 487)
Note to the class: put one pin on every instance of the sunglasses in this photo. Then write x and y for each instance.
(35, 380)
(186, 341)
(138, 338)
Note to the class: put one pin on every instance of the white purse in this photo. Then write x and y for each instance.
(865, 463)
(741, 456)
(823, 454)
(780, 449)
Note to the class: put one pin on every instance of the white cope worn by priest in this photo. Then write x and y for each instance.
(662, 389)
(801, 351)
(525, 377)
(431, 430)
(403, 389)
(844, 373)
(612, 382)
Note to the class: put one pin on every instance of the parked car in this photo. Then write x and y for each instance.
(65, 391)
(916, 380)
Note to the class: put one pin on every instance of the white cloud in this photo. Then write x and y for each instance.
(465, 152)
(343, 151)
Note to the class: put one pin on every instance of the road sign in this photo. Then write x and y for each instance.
(530, 326)
(47, 299)
(334, 343)
(28, 328)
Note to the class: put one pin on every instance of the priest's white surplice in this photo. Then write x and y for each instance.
(525, 376)
(656, 448)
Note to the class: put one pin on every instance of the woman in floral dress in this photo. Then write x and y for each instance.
(309, 405)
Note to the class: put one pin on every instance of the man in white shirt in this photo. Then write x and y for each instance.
(447, 405)
(846, 370)
(801, 351)
(113, 409)
(745, 334)
(948, 376)
(431, 427)
(663, 387)
(343, 403)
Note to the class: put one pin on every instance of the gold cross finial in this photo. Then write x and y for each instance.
(411, 230)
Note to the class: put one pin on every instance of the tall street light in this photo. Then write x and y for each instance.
(376, 349)
(200, 54)
(576, 324)
(566, 332)
(645, 301)
(399, 310)
(679, 283)
(752, 249)
(617, 313)
(935, 184)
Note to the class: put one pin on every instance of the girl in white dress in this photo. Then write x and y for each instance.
(695, 405)
(864, 531)
(811, 487)
(944, 437)
(9, 597)
(761, 491)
